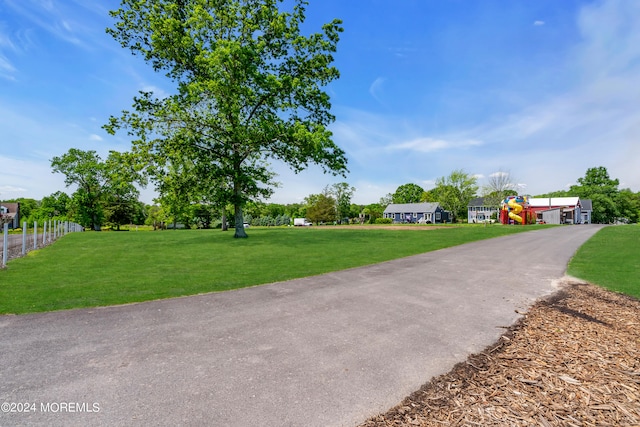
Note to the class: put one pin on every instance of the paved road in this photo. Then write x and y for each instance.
(330, 350)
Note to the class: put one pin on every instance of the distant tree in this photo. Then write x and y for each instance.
(86, 170)
(101, 185)
(56, 204)
(249, 87)
(373, 212)
(408, 193)
(455, 191)
(629, 205)
(321, 208)
(499, 185)
(342, 193)
(386, 200)
(355, 210)
(603, 192)
(120, 195)
(559, 193)
(431, 196)
(296, 210)
(155, 217)
(140, 213)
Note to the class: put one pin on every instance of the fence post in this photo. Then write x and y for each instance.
(44, 233)
(24, 237)
(5, 248)
(35, 235)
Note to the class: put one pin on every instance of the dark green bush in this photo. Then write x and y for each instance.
(384, 221)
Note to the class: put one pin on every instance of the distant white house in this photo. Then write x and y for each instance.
(479, 211)
(425, 213)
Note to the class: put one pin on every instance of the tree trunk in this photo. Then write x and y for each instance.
(240, 232)
(224, 220)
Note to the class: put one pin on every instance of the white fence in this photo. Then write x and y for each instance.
(17, 245)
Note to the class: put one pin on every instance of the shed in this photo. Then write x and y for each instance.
(571, 207)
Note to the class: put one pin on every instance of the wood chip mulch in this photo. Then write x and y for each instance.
(572, 360)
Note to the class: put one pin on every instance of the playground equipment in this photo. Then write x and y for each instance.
(515, 210)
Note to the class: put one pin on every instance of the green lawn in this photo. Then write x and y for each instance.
(611, 259)
(97, 269)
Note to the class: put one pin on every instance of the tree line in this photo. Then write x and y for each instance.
(108, 196)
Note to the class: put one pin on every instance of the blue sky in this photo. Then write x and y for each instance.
(542, 89)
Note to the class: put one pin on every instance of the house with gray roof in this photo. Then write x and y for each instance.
(423, 213)
(585, 213)
(480, 210)
(11, 211)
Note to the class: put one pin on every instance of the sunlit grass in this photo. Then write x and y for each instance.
(97, 269)
(611, 258)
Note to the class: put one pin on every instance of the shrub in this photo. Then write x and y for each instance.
(384, 220)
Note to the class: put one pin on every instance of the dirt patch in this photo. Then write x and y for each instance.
(573, 360)
(389, 227)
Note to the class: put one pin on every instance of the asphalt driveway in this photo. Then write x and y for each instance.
(329, 350)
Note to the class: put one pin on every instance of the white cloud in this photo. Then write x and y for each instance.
(428, 145)
(538, 23)
(7, 69)
(6, 66)
(376, 88)
(58, 19)
(11, 189)
(27, 178)
(94, 137)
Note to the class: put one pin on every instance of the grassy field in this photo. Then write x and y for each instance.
(97, 269)
(611, 259)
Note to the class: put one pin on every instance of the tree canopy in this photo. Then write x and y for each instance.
(321, 208)
(249, 88)
(455, 191)
(104, 188)
(408, 193)
(342, 192)
(603, 192)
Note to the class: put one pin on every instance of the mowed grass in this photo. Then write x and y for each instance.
(97, 269)
(611, 259)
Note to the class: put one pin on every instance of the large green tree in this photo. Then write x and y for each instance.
(408, 193)
(321, 208)
(455, 191)
(603, 192)
(249, 87)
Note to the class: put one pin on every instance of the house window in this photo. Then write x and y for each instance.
(438, 216)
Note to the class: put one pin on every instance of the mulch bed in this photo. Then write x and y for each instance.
(572, 360)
